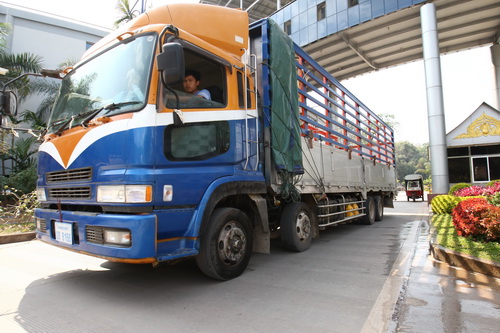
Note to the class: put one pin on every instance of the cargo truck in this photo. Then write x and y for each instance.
(134, 169)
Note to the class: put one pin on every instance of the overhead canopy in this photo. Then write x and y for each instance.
(394, 38)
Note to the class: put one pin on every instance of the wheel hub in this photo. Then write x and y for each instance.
(303, 226)
(231, 244)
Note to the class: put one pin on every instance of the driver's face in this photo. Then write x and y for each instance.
(190, 84)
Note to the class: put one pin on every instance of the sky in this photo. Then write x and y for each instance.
(467, 76)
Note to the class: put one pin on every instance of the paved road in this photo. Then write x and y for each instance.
(348, 281)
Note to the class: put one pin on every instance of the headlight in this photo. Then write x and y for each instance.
(124, 193)
(40, 194)
(117, 236)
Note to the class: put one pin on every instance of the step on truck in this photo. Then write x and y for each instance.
(135, 169)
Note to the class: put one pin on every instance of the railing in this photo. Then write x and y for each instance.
(330, 113)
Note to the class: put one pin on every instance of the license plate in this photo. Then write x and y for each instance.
(64, 232)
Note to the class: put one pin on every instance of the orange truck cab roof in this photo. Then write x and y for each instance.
(221, 27)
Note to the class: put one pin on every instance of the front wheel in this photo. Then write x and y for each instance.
(296, 227)
(226, 245)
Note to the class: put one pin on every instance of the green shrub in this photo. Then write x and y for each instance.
(493, 182)
(494, 199)
(458, 186)
(443, 204)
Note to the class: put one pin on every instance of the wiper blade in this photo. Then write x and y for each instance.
(116, 106)
(63, 126)
(93, 113)
(91, 116)
(109, 107)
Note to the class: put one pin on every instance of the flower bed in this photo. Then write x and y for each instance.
(447, 237)
(478, 219)
(474, 213)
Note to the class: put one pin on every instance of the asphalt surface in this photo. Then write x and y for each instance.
(354, 278)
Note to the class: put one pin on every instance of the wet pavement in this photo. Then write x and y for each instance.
(437, 297)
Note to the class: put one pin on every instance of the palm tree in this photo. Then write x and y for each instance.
(128, 13)
(17, 64)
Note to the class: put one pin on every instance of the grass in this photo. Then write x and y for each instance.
(13, 228)
(448, 237)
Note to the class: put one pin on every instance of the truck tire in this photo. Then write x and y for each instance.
(379, 208)
(296, 227)
(370, 210)
(226, 245)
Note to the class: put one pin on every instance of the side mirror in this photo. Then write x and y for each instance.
(53, 73)
(171, 63)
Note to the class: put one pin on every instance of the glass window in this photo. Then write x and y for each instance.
(459, 170)
(480, 169)
(194, 142)
(321, 11)
(353, 3)
(241, 98)
(485, 150)
(494, 165)
(287, 27)
(459, 151)
(113, 82)
(209, 77)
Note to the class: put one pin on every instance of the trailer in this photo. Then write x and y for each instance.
(135, 169)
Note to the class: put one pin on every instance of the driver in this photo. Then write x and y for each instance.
(191, 82)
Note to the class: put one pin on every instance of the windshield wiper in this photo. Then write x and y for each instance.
(109, 107)
(91, 114)
(116, 106)
(63, 126)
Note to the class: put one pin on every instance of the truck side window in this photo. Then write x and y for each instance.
(195, 142)
(241, 98)
(211, 78)
(241, 92)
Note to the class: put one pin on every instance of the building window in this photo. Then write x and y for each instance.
(353, 3)
(459, 170)
(486, 168)
(287, 27)
(321, 11)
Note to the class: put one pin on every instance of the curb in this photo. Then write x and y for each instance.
(465, 261)
(461, 260)
(15, 238)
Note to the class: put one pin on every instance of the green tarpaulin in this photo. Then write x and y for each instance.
(284, 100)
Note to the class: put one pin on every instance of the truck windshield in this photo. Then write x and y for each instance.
(113, 82)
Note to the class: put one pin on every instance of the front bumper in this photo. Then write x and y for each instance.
(85, 226)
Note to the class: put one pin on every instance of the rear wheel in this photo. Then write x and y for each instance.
(379, 211)
(370, 210)
(226, 245)
(296, 227)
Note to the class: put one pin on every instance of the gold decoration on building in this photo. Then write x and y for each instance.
(482, 126)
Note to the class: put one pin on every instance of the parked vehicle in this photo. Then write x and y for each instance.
(414, 187)
(134, 169)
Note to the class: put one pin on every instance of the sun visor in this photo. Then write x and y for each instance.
(222, 27)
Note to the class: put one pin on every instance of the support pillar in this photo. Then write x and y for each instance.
(435, 105)
(495, 58)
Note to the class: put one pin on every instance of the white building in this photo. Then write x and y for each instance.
(54, 38)
(474, 147)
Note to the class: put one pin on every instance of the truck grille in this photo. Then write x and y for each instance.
(43, 225)
(70, 193)
(94, 234)
(64, 176)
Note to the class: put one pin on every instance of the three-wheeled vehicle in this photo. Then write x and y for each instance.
(414, 187)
